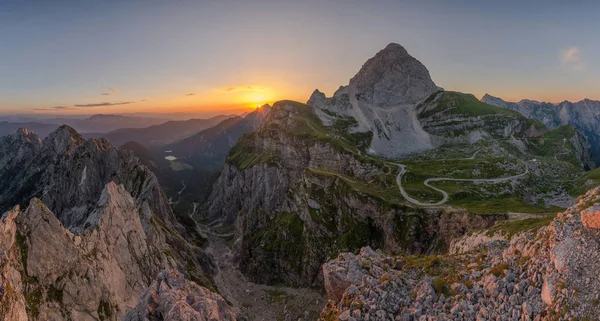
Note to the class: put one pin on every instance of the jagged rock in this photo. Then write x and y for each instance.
(172, 297)
(339, 275)
(82, 276)
(94, 238)
(391, 78)
(68, 174)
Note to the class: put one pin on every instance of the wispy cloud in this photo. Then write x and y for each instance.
(115, 90)
(105, 94)
(56, 108)
(571, 58)
(243, 88)
(190, 94)
(105, 104)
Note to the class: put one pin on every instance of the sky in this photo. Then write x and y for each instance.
(126, 56)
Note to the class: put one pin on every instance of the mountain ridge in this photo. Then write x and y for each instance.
(583, 116)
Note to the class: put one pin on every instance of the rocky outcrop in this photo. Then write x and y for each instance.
(583, 115)
(550, 274)
(172, 297)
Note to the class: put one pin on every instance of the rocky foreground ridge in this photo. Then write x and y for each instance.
(551, 274)
(90, 232)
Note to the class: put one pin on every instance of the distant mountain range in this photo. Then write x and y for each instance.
(161, 134)
(93, 124)
(583, 115)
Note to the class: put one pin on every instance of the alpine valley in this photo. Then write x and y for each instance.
(393, 199)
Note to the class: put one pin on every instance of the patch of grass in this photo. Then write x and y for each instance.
(277, 296)
(104, 311)
(499, 269)
(441, 286)
(54, 294)
(512, 228)
(390, 195)
(586, 182)
(500, 204)
(33, 299)
(466, 105)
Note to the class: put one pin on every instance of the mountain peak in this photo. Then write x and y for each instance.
(492, 100)
(64, 137)
(391, 78)
(316, 98)
(394, 47)
(27, 136)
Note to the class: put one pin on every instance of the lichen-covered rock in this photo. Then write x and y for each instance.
(172, 297)
(590, 218)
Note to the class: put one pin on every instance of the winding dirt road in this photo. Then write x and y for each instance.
(403, 170)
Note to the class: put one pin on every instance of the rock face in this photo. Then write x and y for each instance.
(94, 275)
(92, 231)
(172, 297)
(381, 98)
(582, 115)
(550, 274)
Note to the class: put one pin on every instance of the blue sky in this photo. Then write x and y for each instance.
(130, 56)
